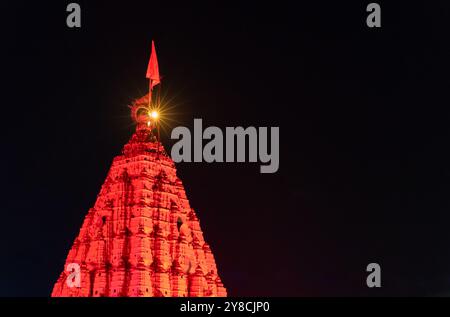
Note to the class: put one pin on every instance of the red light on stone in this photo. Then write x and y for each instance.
(141, 237)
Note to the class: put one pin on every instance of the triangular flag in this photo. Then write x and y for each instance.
(152, 69)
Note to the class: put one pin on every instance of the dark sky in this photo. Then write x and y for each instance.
(363, 116)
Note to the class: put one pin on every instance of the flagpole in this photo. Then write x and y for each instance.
(154, 80)
(150, 94)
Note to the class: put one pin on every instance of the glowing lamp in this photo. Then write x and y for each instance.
(154, 114)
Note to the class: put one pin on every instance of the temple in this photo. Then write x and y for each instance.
(141, 238)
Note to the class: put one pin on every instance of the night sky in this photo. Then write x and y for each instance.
(364, 132)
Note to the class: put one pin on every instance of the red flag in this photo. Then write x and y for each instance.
(152, 69)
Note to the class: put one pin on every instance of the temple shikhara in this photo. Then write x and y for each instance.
(141, 237)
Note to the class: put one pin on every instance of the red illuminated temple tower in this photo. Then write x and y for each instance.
(141, 237)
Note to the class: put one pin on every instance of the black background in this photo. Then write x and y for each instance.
(363, 116)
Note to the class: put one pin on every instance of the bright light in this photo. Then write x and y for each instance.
(154, 114)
